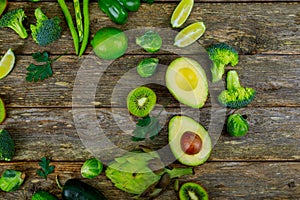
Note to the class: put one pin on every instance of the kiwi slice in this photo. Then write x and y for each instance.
(141, 101)
(2, 111)
(192, 191)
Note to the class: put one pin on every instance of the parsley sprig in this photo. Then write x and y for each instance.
(46, 168)
(42, 71)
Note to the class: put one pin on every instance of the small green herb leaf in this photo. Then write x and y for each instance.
(40, 72)
(41, 57)
(145, 121)
(146, 127)
(46, 169)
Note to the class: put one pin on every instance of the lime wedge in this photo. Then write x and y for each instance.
(2, 111)
(181, 13)
(189, 34)
(3, 5)
(7, 63)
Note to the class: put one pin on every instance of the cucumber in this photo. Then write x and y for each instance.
(77, 190)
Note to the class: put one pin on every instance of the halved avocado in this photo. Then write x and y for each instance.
(189, 141)
(186, 80)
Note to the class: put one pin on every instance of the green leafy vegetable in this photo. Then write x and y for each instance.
(221, 55)
(43, 195)
(14, 19)
(235, 96)
(237, 126)
(150, 41)
(11, 180)
(40, 72)
(7, 146)
(46, 30)
(146, 127)
(91, 168)
(142, 174)
(46, 168)
(147, 67)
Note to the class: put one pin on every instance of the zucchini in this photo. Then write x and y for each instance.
(77, 190)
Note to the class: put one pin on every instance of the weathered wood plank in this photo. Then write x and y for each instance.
(222, 180)
(197, 1)
(247, 26)
(276, 79)
(273, 135)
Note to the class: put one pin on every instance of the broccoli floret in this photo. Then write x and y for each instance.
(221, 55)
(46, 30)
(14, 20)
(235, 96)
(7, 146)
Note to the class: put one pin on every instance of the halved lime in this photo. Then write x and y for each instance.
(7, 63)
(181, 13)
(2, 111)
(189, 34)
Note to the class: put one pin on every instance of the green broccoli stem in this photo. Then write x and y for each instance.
(232, 80)
(217, 71)
(19, 29)
(39, 15)
(177, 172)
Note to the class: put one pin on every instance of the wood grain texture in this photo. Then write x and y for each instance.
(273, 135)
(197, 1)
(276, 79)
(264, 164)
(223, 180)
(252, 28)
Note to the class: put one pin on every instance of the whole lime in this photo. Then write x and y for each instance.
(109, 43)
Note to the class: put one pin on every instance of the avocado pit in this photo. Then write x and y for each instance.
(190, 143)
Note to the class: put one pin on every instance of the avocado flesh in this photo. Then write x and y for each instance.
(186, 80)
(179, 125)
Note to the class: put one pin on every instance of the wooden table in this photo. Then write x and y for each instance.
(262, 165)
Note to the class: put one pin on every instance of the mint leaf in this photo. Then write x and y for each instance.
(146, 127)
(46, 169)
(144, 121)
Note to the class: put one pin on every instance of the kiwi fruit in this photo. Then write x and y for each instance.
(2, 111)
(192, 190)
(141, 101)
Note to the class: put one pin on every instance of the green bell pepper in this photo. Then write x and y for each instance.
(114, 10)
(130, 5)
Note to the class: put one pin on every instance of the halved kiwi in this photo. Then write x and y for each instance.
(192, 190)
(141, 101)
(2, 111)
